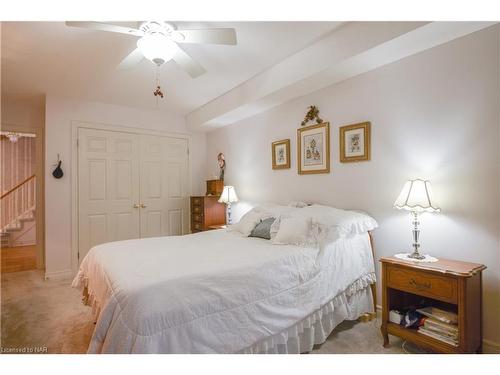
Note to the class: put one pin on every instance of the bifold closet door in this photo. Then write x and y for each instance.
(164, 186)
(108, 188)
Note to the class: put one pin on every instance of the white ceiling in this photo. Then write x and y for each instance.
(49, 57)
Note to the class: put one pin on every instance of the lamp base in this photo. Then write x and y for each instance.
(416, 255)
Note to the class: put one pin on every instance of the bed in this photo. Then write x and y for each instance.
(218, 292)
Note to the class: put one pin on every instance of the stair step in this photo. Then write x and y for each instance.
(27, 218)
(18, 224)
(13, 227)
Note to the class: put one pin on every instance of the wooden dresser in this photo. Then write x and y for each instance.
(448, 284)
(206, 211)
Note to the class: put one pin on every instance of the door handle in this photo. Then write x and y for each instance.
(143, 205)
(136, 205)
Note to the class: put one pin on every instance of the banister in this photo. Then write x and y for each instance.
(18, 186)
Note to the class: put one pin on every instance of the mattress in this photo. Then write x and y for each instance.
(214, 291)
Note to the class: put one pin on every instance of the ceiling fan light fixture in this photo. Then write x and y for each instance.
(157, 48)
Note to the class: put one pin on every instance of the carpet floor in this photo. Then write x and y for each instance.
(47, 316)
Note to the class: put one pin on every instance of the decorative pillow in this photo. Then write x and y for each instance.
(263, 229)
(247, 223)
(293, 231)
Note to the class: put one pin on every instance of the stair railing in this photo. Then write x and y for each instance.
(17, 201)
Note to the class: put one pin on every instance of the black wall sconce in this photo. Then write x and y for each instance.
(58, 172)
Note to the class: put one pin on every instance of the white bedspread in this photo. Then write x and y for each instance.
(211, 292)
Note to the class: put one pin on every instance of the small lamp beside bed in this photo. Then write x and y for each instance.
(227, 197)
(416, 197)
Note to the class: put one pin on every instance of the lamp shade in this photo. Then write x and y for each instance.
(416, 196)
(228, 195)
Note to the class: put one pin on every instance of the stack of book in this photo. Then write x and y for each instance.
(440, 324)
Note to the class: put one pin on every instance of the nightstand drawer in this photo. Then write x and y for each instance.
(196, 226)
(197, 218)
(197, 201)
(423, 283)
(196, 209)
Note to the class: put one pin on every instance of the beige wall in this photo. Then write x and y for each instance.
(434, 115)
(23, 110)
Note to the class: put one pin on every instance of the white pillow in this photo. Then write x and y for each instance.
(293, 231)
(247, 222)
(348, 222)
(274, 210)
(297, 204)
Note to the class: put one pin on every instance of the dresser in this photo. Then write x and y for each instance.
(447, 284)
(206, 212)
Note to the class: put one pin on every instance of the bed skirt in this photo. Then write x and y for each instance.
(316, 327)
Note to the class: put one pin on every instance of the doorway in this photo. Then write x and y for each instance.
(19, 202)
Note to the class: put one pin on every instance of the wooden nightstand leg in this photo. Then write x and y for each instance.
(385, 335)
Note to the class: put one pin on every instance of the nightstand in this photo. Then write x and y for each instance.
(447, 284)
(206, 211)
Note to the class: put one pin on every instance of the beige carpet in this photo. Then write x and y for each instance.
(40, 314)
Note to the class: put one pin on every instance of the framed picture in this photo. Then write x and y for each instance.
(313, 149)
(354, 142)
(281, 154)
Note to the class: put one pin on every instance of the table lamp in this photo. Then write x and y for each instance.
(416, 197)
(228, 196)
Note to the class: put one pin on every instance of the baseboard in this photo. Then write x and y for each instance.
(59, 275)
(489, 347)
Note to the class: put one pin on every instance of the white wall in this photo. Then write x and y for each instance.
(60, 113)
(434, 115)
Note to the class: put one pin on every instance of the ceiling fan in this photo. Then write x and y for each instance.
(158, 42)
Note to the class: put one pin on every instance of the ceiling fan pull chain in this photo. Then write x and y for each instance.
(158, 93)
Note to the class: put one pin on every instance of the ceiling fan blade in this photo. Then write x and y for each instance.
(105, 27)
(131, 60)
(209, 36)
(187, 63)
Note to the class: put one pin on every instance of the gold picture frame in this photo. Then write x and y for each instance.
(313, 149)
(355, 142)
(281, 154)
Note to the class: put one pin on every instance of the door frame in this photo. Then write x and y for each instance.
(40, 185)
(75, 126)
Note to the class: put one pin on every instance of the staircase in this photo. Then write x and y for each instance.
(16, 226)
(17, 211)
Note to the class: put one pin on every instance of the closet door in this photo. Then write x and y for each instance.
(108, 187)
(164, 186)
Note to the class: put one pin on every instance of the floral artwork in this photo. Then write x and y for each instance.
(314, 149)
(355, 142)
(281, 154)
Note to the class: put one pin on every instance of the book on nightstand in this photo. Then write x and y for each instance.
(439, 324)
(440, 315)
(438, 336)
